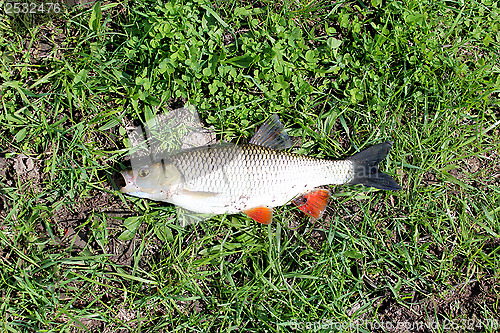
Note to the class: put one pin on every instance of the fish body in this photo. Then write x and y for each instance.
(253, 178)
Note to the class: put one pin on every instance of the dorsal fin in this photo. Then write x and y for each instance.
(272, 134)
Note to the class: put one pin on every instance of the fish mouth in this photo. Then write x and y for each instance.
(130, 186)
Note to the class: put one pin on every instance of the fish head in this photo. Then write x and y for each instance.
(152, 181)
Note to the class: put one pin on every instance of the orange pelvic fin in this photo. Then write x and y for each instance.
(262, 214)
(313, 203)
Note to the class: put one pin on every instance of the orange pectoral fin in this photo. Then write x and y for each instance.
(262, 214)
(313, 203)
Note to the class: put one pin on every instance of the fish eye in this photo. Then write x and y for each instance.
(144, 171)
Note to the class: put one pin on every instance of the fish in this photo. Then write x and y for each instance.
(254, 178)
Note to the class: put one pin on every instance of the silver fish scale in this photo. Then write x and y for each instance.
(255, 170)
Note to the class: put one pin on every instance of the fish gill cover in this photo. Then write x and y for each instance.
(165, 135)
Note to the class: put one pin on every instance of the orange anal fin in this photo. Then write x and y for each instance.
(262, 215)
(313, 203)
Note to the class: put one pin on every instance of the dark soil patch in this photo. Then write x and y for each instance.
(461, 305)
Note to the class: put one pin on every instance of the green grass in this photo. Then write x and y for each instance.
(342, 76)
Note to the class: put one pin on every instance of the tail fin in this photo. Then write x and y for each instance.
(366, 170)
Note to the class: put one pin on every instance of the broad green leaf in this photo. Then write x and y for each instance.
(20, 135)
(243, 61)
(132, 223)
(353, 254)
(333, 43)
(81, 76)
(310, 57)
(127, 235)
(95, 17)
